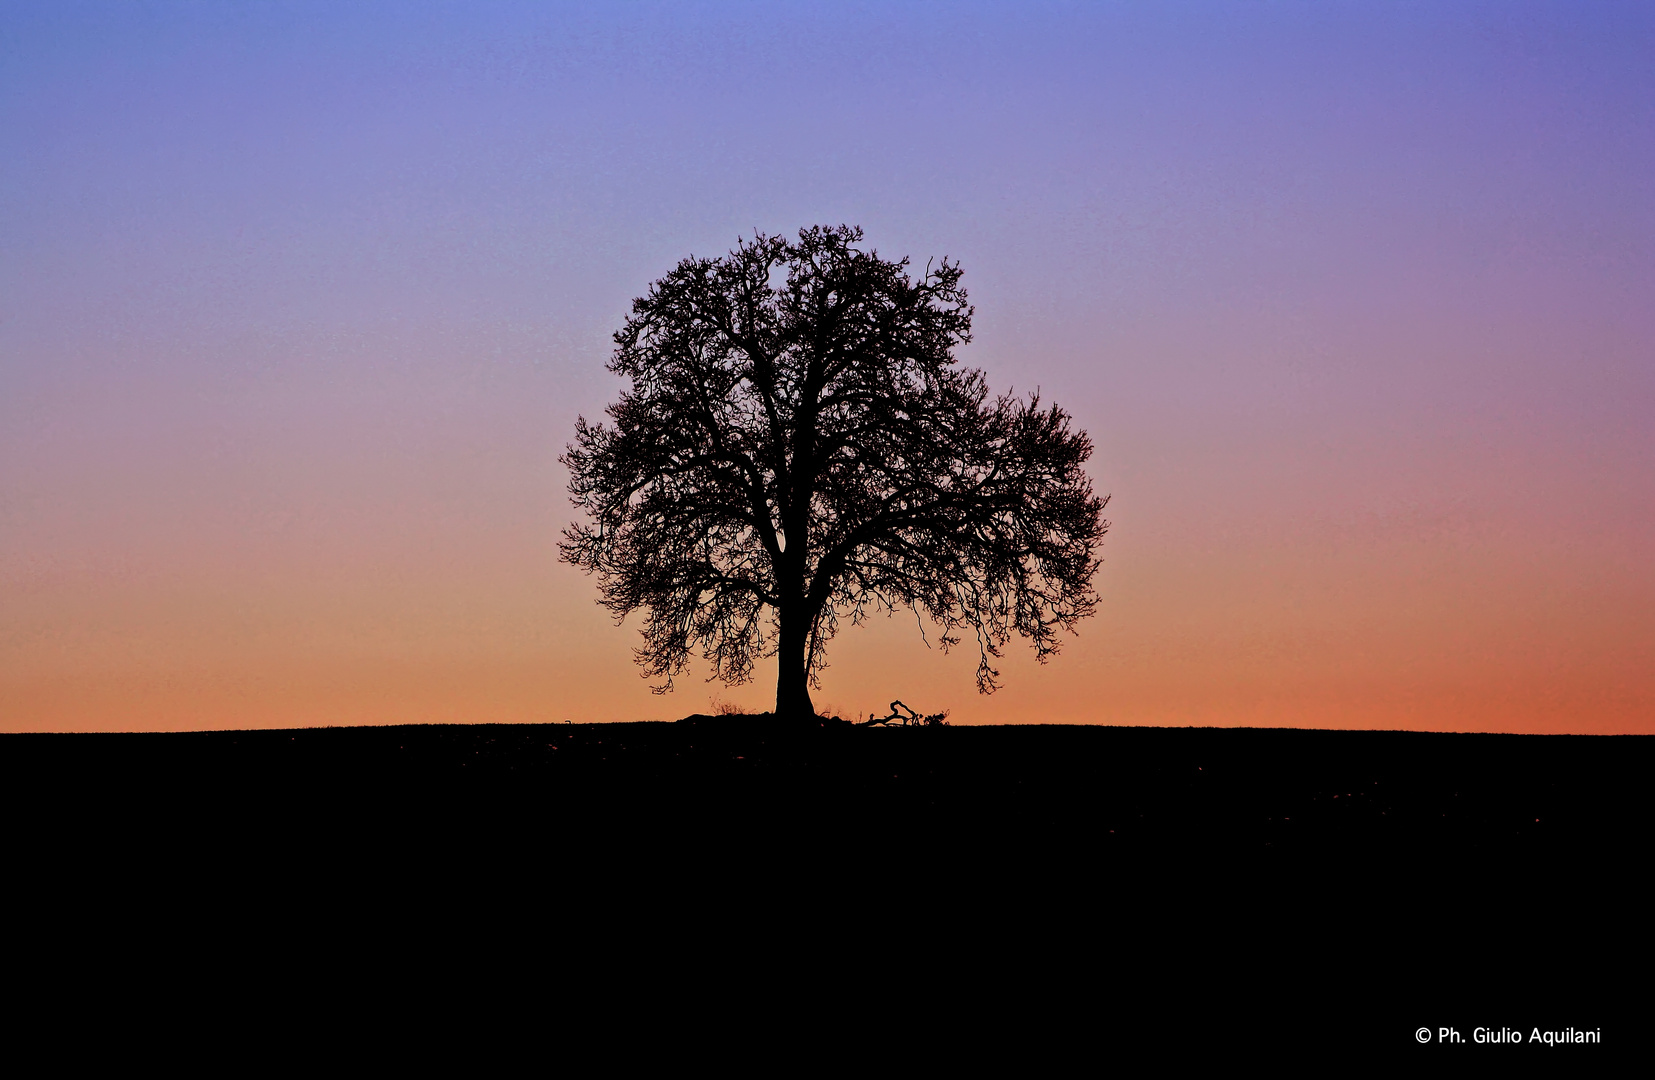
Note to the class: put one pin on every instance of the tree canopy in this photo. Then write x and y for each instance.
(799, 446)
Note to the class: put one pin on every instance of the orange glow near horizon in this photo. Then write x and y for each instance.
(1382, 612)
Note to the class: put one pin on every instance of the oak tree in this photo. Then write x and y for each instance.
(799, 447)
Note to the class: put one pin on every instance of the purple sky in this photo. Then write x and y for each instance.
(298, 304)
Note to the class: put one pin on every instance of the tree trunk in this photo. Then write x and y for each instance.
(792, 685)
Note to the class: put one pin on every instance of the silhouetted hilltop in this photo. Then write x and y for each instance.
(1106, 788)
(1356, 883)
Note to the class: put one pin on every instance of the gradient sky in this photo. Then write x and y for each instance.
(299, 303)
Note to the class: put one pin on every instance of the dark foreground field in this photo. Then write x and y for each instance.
(1097, 791)
(1380, 880)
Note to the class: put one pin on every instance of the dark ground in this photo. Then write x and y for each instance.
(1097, 792)
(1362, 883)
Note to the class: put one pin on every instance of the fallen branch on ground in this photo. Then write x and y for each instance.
(903, 715)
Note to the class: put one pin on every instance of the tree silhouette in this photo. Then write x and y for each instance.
(798, 446)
